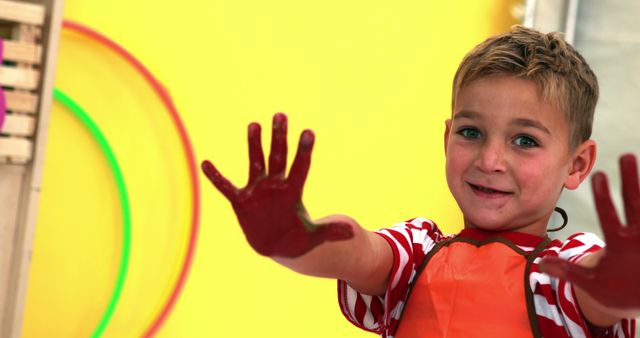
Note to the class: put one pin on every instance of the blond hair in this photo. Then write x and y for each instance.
(563, 76)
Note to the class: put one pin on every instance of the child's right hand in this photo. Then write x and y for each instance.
(269, 208)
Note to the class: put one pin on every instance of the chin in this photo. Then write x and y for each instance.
(485, 224)
(488, 228)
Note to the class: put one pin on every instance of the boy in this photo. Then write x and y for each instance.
(523, 106)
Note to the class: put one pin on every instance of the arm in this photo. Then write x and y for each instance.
(607, 282)
(276, 224)
(364, 261)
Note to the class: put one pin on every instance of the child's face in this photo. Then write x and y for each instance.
(507, 155)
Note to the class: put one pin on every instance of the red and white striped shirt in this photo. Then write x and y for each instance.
(554, 300)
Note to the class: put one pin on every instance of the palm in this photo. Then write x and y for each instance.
(615, 280)
(272, 215)
(269, 208)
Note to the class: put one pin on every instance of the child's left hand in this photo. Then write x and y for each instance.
(614, 280)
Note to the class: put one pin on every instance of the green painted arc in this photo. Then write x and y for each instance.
(95, 132)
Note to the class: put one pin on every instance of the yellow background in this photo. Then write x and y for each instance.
(371, 78)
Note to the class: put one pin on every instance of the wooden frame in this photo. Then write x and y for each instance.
(27, 82)
(23, 12)
(23, 78)
(20, 51)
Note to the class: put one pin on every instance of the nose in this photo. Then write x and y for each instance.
(491, 157)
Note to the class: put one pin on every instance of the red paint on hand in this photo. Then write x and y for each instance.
(615, 280)
(269, 208)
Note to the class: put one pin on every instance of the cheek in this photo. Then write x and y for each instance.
(540, 177)
(457, 162)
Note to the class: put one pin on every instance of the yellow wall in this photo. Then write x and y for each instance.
(372, 78)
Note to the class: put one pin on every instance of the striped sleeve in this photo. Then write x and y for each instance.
(409, 242)
(554, 300)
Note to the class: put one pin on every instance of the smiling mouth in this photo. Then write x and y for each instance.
(488, 191)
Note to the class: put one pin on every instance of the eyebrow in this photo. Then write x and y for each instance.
(532, 124)
(466, 114)
(522, 122)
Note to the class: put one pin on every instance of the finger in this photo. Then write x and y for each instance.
(565, 270)
(278, 154)
(300, 166)
(220, 182)
(332, 232)
(609, 220)
(256, 156)
(630, 189)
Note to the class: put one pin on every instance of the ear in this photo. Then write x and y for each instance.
(447, 130)
(582, 161)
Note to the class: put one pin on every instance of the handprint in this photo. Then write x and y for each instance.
(615, 280)
(269, 208)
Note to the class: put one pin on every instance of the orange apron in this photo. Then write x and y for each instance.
(471, 288)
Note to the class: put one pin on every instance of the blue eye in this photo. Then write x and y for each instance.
(525, 142)
(470, 133)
